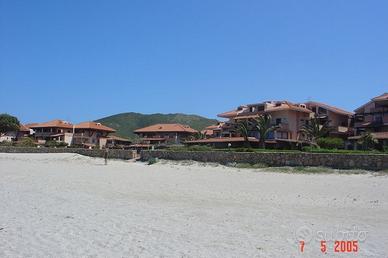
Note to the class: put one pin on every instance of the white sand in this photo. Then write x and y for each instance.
(65, 205)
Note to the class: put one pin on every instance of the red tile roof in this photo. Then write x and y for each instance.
(228, 114)
(94, 126)
(117, 138)
(166, 128)
(54, 123)
(24, 128)
(288, 106)
(207, 132)
(328, 107)
(383, 96)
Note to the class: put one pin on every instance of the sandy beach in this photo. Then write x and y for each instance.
(67, 205)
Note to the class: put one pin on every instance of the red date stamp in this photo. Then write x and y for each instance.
(330, 241)
(340, 246)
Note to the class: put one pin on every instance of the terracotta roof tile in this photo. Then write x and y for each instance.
(24, 128)
(328, 107)
(383, 96)
(94, 126)
(166, 128)
(54, 123)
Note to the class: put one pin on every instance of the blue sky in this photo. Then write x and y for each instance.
(82, 60)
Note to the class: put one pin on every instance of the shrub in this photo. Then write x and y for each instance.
(153, 160)
(309, 148)
(6, 143)
(54, 144)
(244, 150)
(331, 143)
(200, 148)
(191, 148)
(26, 142)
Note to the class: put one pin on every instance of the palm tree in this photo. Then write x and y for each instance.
(199, 135)
(243, 128)
(314, 130)
(264, 127)
(367, 141)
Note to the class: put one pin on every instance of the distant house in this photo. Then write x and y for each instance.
(11, 136)
(115, 142)
(162, 134)
(213, 131)
(373, 117)
(338, 119)
(55, 130)
(91, 134)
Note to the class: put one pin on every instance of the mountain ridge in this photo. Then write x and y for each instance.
(126, 123)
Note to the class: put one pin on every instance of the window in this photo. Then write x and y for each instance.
(278, 121)
(322, 110)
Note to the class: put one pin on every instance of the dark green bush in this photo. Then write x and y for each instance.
(331, 143)
(55, 144)
(244, 150)
(6, 143)
(153, 160)
(26, 142)
(191, 148)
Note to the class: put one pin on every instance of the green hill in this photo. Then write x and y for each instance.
(126, 123)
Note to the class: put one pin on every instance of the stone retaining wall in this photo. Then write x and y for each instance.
(113, 153)
(342, 161)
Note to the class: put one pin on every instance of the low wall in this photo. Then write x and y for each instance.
(113, 153)
(343, 161)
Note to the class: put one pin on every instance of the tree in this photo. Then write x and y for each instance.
(314, 130)
(243, 129)
(199, 135)
(264, 127)
(367, 141)
(8, 123)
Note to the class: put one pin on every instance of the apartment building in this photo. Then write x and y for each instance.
(339, 120)
(373, 117)
(287, 116)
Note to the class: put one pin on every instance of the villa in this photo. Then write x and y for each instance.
(164, 134)
(55, 130)
(115, 142)
(90, 134)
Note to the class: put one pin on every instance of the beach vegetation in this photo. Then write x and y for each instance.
(264, 126)
(26, 142)
(330, 143)
(314, 130)
(55, 144)
(367, 141)
(243, 130)
(153, 160)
